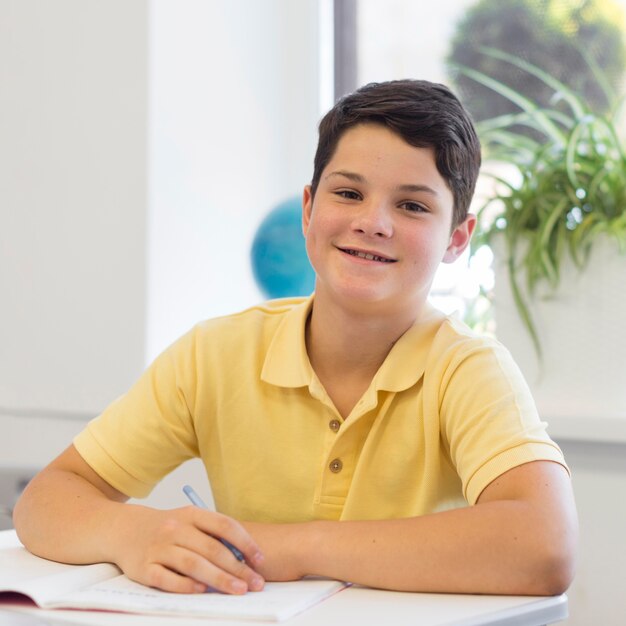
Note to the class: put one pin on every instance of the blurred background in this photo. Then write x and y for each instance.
(152, 160)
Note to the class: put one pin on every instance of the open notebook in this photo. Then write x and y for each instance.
(102, 586)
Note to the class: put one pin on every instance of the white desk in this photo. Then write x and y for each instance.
(354, 605)
(365, 607)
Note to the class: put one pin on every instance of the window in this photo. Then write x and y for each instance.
(378, 41)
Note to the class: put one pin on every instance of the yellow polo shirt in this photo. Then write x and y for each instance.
(447, 413)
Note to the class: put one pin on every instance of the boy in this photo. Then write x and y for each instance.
(343, 434)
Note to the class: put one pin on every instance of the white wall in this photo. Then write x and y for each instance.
(233, 125)
(72, 202)
(599, 478)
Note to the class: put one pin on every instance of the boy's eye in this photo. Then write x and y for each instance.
(348, 194)
(414, 207)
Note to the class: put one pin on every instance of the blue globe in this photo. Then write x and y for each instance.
(280, 264)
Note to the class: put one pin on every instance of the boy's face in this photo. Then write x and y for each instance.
(380, 222)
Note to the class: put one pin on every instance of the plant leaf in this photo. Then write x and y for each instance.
(544, 123)
(575, 102)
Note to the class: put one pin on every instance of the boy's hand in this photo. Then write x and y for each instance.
(177, 550)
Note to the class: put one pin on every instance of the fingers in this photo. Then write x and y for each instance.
(215, 557)
(224, 527)
(193, 573)
(161, 577)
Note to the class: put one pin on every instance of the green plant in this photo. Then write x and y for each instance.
(570, 182)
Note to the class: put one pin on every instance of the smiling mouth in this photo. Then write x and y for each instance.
(366, 255)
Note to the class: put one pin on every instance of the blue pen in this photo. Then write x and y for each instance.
(197, 501)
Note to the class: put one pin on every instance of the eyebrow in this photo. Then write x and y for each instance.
(357, 178)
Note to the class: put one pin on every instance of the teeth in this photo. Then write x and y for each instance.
(369, 257)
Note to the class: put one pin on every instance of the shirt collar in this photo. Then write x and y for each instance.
(406, 361)
(287, 362)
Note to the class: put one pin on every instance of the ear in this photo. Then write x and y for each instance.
(459, 239)
(307, 207)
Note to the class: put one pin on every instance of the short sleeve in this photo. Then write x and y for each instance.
(489, 420)
(149, 431)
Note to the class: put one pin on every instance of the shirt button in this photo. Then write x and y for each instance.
(334, 425)
(335, 466)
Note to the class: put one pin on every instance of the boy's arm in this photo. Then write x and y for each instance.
(69, 513)
(520, 538)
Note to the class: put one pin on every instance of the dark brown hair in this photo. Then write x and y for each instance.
(425, 115)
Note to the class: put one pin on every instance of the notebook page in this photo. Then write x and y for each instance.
(42, 580)
(277, 601)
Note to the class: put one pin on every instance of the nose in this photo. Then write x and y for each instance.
(373, 219)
